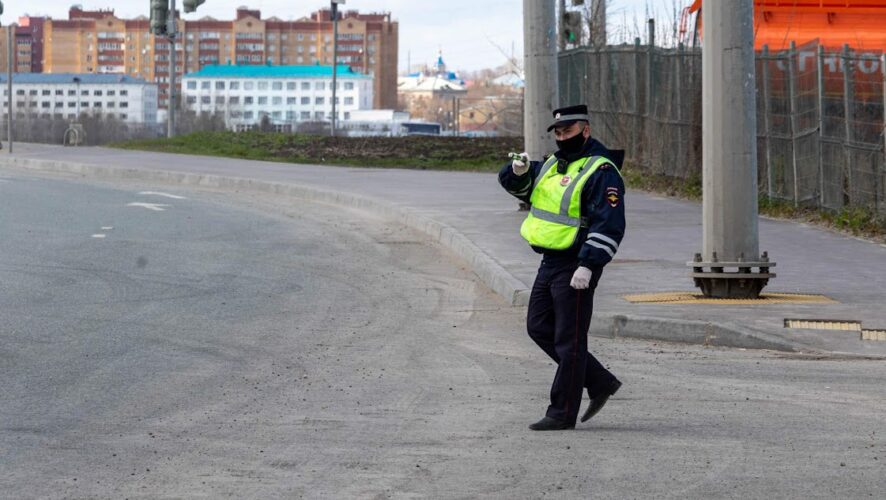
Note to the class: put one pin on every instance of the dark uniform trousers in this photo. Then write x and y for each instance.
(558, 320)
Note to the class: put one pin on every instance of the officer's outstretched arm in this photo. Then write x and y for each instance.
(520, 186)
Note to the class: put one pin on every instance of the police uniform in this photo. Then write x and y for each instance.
(577, 218)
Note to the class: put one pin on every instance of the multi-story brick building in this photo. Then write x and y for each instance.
(100, 42)
(28, 51)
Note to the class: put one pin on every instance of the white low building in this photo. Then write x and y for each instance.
(66, 95)
(287, 95)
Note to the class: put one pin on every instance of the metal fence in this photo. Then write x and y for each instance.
(820, 117)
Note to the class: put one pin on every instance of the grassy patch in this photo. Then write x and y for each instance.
(438, 153)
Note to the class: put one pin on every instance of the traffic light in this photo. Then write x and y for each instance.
(571, 27)
(191, 5)
(159, 14)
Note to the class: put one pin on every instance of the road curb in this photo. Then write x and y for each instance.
(482, 264)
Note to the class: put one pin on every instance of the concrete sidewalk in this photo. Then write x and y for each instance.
(471, 215)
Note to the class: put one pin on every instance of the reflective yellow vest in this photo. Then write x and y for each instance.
(555, 217)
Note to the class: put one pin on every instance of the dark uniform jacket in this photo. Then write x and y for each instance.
(602, 203)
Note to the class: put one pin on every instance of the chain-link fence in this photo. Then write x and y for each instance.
(820, 116)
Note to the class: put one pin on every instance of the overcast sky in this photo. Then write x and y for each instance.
(472, 33)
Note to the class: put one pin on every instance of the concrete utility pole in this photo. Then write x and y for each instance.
(598, 23)
(334, 60)
(171, 32)
(540, 65)
(10, 41)
(729, 134)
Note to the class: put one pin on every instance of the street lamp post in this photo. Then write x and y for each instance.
(9, 107)
(334, 59)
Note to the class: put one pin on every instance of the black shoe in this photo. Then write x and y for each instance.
(551, 424)
(600, 401)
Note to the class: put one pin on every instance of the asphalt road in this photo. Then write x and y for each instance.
(231, 345)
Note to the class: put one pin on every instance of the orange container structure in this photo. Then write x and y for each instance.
(859, 23)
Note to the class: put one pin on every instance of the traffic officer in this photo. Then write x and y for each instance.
(576, 221)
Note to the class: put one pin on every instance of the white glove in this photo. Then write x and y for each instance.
(581, 280)
(520, 166)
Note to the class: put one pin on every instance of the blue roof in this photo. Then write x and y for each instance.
(85, 78)
(264, 71)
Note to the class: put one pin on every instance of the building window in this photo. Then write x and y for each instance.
(318, 115)
(290, 115)
(248, 115)
(191, 99)
(277, 101)
(123, 116)
(84, 92)
(248, 85)
(349, 101)
(319, 100)
(20, 92)
(84, 104)
(300, 36)
(349, 85)
(33, 92)
(111, 93)
(204, 85)
(192, 85)
(124, 104)
(263, 85)
(204, 99)
(219, 100)
(234, 99)
(347, 115)
(45, 104)
(277, 86)
(262, 100)
(47, 92)
(247, 100)
(97, 104)
(291, 100)
(306, 85)
(59, 104)
(305, 115)
(219, 85)
(72, 104)
(277, 115)
(299, 59)
(124, 92)
(234, 85)
(290, 85)
(306, 100)
(319, 86)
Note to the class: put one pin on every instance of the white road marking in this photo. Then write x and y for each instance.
(158, 207)
(166, 195)
(98, 236)
(107, 228)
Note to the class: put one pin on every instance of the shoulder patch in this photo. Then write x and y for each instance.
(612, 196)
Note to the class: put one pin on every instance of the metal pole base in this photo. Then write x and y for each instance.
(716, 282)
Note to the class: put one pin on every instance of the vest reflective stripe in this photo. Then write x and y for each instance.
(555, 218)
(559, 219)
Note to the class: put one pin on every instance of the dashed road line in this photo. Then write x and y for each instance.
(98, 236)
(157, 207)
(166, 195)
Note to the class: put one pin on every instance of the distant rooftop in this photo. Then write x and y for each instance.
(264, 71)
(85, 78)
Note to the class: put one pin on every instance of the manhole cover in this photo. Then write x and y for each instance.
(698, 298)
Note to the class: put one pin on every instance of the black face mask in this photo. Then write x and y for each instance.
(573, 145)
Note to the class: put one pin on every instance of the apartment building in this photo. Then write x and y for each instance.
(99, 42)
(28, 50)
(66, 95)
(286, 95)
